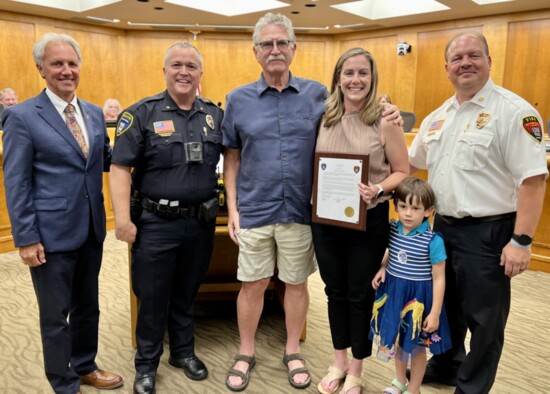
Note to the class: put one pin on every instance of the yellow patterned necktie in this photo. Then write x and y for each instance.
(73, 125)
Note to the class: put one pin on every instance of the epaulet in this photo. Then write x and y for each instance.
(206, 101)
(156, 97)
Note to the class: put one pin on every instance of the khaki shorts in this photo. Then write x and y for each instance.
(287, 246)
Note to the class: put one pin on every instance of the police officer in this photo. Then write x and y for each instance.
(172, 141)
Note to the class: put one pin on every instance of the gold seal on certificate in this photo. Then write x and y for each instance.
(336, 199)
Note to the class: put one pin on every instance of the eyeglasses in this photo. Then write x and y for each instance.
(268, 45)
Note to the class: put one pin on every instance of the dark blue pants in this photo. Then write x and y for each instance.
(348, 260)
(169, 260)
(66, 287)
(477, 297)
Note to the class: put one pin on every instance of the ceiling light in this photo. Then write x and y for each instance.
(230, 7)
(483, 2)
(381, 9)
(349, 25)
(197, 25)
(96, 18)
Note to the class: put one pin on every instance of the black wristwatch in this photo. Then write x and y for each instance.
(522, 239)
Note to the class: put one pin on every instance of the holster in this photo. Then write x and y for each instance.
(208, 210)
(135, 207)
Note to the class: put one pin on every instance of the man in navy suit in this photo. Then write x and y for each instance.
(53, 174)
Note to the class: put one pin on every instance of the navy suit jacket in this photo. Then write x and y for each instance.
(52, 191)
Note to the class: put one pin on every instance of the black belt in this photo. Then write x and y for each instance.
(170, 209)
(452, 221)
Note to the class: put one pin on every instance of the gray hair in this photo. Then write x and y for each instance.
(182, 44)
(475, 34)
(40, 46)
(111, 100)
(273, 19)
(7, 90)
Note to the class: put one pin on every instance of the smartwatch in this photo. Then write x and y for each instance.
(380, 191)
(522, 239)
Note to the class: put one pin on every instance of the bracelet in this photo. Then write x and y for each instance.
(515, 243)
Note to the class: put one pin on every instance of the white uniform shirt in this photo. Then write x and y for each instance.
(477, 153)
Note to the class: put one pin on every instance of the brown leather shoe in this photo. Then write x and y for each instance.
(102, 379)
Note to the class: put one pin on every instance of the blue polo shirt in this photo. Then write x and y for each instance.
(276, 133)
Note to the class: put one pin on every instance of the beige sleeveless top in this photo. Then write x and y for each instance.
(351, 135)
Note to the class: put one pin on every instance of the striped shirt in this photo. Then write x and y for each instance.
(412, 255)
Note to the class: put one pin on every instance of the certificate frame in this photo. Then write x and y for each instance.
(364, 166)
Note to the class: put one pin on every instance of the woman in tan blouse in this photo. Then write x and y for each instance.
(348, 259)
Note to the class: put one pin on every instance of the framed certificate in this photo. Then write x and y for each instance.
(336, 198)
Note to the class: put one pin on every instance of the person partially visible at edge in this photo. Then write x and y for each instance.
(486, 161)
(349, 258)
(56, 149)
(269, 130)
(384, 98)
(172, 141)
(111, 109)
(408, 316)
(8, 98)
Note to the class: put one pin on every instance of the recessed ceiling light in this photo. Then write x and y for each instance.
(295, 12)
(159, 8)
(143, 1)
(311, 5)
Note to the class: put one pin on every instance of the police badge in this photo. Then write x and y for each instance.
(210, 121)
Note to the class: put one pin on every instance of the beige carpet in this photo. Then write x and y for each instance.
(524, 366)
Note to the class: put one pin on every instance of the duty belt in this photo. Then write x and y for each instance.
(170, 209)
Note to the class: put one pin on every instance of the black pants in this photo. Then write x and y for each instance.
(477, 297)
(348, 260)
(169, 260)
(66, 286)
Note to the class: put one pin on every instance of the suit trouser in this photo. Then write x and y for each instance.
(477, 298)
(169, 260)
(66, 286)
(348, 260)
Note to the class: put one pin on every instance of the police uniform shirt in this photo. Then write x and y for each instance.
(151, 137)
(478, 153)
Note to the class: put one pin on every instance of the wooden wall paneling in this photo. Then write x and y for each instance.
(405, 75)
(229, 62)
(528, 63)
(100, 70)
(384, 51)
(145, 59)
(432, 85)
(17, 65)
(496, 34)
(310, 60)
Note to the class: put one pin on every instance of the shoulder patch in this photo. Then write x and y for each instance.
(532, 126)
(126, 120)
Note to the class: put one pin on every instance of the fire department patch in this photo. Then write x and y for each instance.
(532, 126)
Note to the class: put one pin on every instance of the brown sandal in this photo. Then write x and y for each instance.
(245, 376)
(297, 356)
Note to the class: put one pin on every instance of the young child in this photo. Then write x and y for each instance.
(408, 315)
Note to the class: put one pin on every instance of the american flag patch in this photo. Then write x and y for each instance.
(164, 126)
(436, 125)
